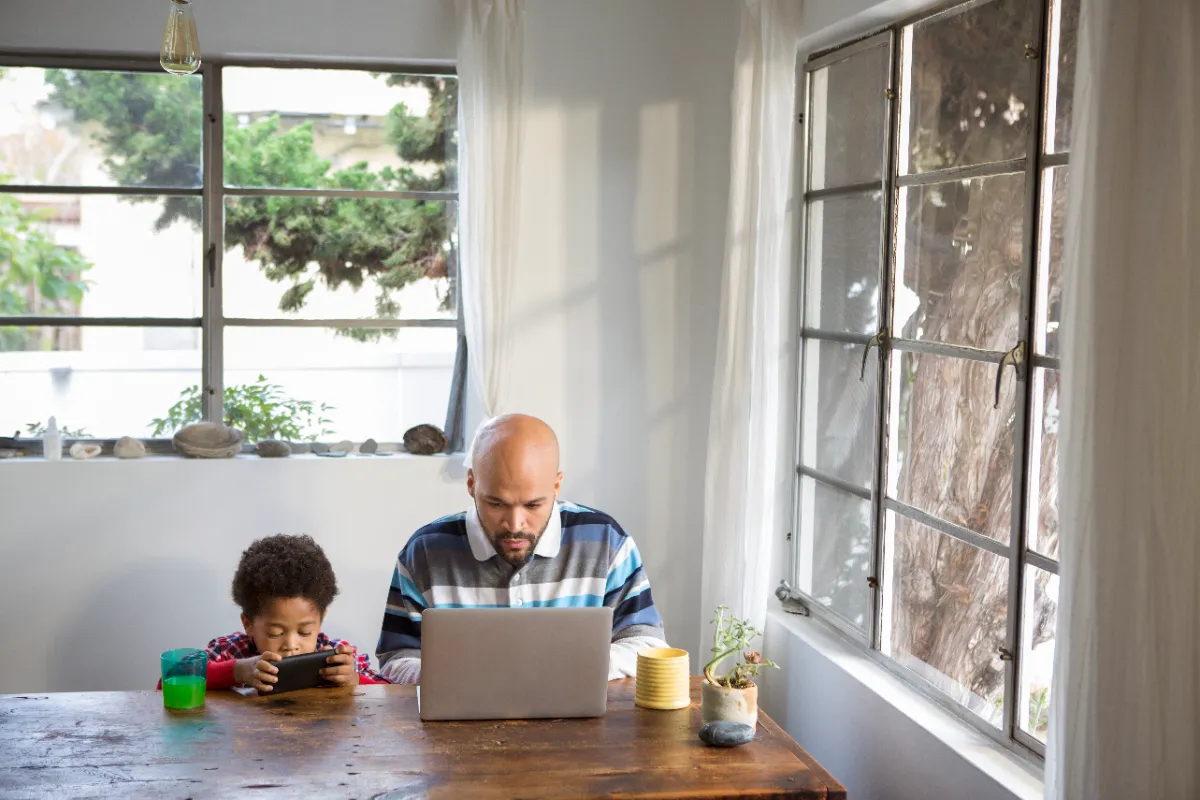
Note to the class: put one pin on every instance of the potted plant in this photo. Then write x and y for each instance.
(733, 696)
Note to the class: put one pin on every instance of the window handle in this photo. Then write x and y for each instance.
(878, 340)
(1014, 358)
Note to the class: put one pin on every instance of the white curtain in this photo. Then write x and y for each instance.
(490, 85)
(1126, 697)
(743, 477)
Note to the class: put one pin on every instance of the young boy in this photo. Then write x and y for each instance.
(283, 585)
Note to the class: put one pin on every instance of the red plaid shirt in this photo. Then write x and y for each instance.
(240, 645)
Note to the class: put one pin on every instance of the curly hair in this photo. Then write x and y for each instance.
(283, 566)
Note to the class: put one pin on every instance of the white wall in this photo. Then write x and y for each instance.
(625, 188)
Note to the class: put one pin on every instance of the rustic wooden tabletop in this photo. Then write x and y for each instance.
(368, 742)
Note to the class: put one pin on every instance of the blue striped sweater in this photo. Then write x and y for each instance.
(584, 558)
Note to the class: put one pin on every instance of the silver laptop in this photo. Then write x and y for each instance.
(514, 663)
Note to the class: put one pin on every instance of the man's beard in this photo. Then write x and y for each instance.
(516, 560)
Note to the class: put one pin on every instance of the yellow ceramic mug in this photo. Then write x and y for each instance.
(662, 680)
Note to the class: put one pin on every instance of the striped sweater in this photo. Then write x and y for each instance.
(584, 558)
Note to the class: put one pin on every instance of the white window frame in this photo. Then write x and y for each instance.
(212, 193)
(1035, 166)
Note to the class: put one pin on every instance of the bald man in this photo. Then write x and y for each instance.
(518, 546)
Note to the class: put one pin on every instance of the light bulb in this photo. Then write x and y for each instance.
(180, 54)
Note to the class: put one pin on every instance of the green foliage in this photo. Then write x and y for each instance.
(731, 637)
(1039, 710)
(260, 410)
(36, 275)
(37, 430)
(150, 131)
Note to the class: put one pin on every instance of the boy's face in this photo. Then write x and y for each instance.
(287, 626)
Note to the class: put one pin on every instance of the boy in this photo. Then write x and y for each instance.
(283, 585)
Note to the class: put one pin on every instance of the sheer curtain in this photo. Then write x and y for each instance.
(1126, 704)
(490, 85)
(743, 478)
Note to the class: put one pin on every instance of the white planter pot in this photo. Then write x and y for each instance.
(730, 705)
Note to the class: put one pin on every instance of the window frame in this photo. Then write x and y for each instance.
(212, 194)
(1040, 156)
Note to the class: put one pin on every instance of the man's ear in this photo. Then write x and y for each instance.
(558, 485)
(471, 483)
(245, 622)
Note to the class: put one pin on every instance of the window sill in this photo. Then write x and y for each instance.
(1020, 777)
(441, 458)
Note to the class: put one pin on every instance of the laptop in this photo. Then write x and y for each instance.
(514, 663)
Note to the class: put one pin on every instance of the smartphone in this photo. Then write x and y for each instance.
(300, 672)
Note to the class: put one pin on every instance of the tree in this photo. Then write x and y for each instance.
(37, 276)
(150, 132)
(971, 92)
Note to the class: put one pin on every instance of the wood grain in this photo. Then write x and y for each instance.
(368, 742)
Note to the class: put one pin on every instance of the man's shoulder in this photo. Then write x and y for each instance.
(579, 520)
(448, 532)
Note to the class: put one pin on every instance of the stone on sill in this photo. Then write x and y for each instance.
(317, 448)
(80, 451)
(128, 447)
(208, 440)
(344, 446)
(369, 447)
(425, 440)
(272, 448)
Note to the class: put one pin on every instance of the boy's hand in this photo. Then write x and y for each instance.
(341, 671)
(257, 671)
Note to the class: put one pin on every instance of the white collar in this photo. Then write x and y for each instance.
(482, 548)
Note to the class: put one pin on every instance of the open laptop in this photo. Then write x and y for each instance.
(514, 663)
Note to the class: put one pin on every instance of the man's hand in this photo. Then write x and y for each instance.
(341, 670)
(257, 671)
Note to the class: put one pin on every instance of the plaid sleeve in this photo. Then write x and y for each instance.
(628, 593)
(231, 647)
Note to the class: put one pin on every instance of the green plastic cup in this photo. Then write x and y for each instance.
(184, 674)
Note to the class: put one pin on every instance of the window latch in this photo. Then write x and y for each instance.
(1013, 358)
(212, 266)
(878, 340)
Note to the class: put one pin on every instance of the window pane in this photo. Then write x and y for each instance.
(970, 86)
(377, 388)
(321, 258)
(1062, 75)
(842, 292)
(850, 119)
(91, 128)
(835, 549)
(98, 382)
(1043, 466)
(1050, 260)
(951, 451)
(100, 256)
(320, 128)
(947, 614)
(1040, 619)
(838, 436)
(959, 277)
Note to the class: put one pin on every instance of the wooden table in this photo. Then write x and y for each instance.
(368, 742)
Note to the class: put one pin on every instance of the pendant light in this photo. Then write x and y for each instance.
(180, 54)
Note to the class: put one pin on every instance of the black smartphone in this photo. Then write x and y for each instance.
(300, 672)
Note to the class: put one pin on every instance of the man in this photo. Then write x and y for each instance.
(518, 546)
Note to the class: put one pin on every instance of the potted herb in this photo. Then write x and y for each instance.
(733, 696)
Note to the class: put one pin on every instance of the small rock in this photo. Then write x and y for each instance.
(344, 446)
(128, 447)
(425, 440)
(80, 451)
(272, 448)
(726, 734)
(369, 447)
(11, 452)
(318, 448)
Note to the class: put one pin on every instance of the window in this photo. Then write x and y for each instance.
(271, 247)
(926, 493)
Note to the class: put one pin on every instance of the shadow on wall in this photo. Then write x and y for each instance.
(642, 162)
(128, 618)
